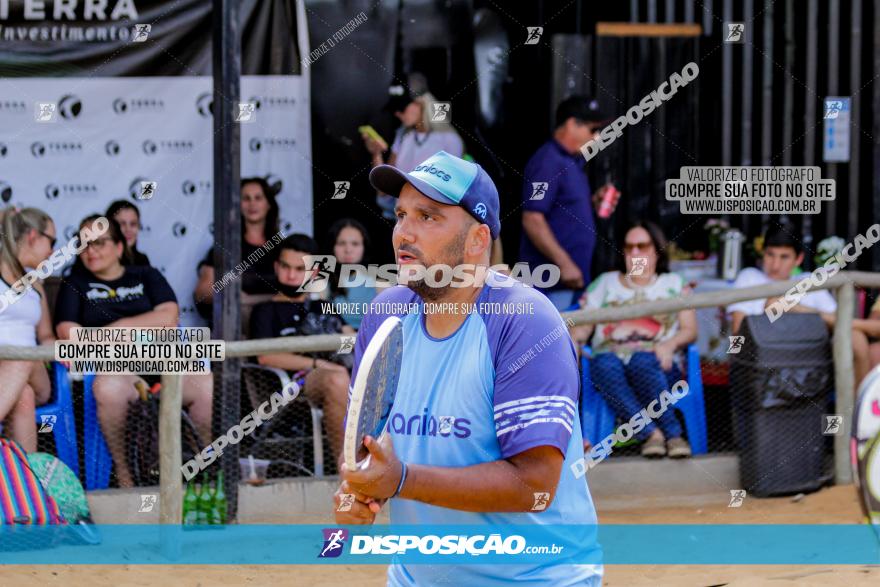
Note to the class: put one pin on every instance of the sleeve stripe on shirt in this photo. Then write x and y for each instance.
(522, 425)
(532, 407)
(534, 399)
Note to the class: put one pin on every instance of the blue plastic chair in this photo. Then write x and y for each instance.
(598, 420)
(64, 428)
(99, 463)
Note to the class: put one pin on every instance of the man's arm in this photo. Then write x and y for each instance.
(538, 230)
(736, 321)
(505, 485)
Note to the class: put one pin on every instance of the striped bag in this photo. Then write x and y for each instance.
(22, 498)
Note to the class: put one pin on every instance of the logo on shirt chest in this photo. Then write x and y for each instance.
(426, 424)
(99, 291)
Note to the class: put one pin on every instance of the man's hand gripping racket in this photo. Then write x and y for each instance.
(373, 390)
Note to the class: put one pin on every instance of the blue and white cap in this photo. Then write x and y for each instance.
(449, 180)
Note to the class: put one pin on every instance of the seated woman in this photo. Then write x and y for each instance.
(129, 218)
(27, 237)
(259, 226)
(108, 292)
(350, 244)
(635, 360)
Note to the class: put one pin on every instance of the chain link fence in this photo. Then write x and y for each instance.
(781, 389)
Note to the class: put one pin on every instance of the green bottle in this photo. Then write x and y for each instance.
(204, 506)
(219, 506)
(190, 505)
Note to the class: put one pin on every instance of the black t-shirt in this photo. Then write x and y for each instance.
(259, 276)
(138, 258)
(89, 301)
(275, 319)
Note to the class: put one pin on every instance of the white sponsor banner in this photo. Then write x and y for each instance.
(111, 134)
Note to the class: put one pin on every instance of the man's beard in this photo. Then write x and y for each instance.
(453, 252)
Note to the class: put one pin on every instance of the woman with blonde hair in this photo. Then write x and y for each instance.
(425, 130)
(27, 239)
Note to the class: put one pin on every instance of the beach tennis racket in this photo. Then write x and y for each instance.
(865, 447)
(372, 393)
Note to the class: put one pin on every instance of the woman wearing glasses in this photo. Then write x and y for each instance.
(109, 292)
(634, 360)
(27, 237)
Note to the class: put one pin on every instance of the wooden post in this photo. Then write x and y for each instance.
(843, 380)
(170, 485)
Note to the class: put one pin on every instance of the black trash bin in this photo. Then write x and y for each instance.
(780, 384)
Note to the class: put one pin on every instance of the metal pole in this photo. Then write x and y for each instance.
(727, 93)
(843, 380)
(170, 484)
(788, 84)
(855, 82)
(767, 93)
(748, 71)
(708, 18)
(833, 78)
(810, 107)
(875, 187)
(227, 227)
(689, 10)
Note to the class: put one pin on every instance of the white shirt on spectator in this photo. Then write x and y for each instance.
(414, 147)
(819, 299)
(411, 148)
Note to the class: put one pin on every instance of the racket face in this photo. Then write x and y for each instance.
(866, 424)
(374, 388)
(866, 446)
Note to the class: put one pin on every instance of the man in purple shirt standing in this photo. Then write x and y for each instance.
(558, 224)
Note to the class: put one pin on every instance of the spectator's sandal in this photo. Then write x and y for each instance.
(678, 448)
(654, 448)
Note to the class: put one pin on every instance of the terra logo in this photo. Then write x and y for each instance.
(334, 542)
(205, 104)
(275, 182)
(134, 188)
(69, 106)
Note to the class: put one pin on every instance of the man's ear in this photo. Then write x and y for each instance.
(479, 240)
(799, 259)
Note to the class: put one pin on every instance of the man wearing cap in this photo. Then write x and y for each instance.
(418, 136)
(557, 218)
(483, 429)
